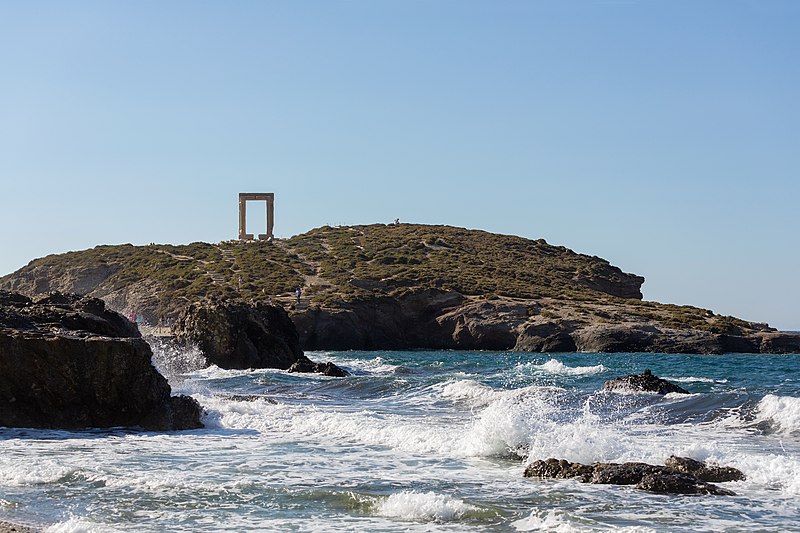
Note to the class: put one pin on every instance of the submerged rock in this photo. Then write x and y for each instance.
(644, 382)
(680, 475)
(66, 362)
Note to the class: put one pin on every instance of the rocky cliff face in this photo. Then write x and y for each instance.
(67, 362)
(447, 320)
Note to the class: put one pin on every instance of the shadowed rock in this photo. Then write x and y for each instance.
(622, 474)
(644, 382)
(67, 362)
(236, 334)
(678, 483)
(304, 364)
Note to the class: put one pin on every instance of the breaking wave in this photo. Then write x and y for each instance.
(423, 506)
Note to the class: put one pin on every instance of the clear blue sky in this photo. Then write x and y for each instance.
(661, 135)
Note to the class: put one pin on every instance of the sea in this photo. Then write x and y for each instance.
(424, 441)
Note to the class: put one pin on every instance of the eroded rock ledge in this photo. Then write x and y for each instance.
(67, 362)
(679, 475)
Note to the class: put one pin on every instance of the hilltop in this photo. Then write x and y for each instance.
(403, 286)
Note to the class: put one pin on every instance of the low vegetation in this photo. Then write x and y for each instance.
(334, 265)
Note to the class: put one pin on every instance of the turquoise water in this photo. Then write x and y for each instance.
(424, 441)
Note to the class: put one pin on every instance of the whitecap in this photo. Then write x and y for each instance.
(784, 411)
(78, 525)
(557, 521)
(695, 379)
(554, 366)
(423, 506)
(479, 394)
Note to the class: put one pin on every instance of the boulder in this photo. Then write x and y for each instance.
(67, 362)
(304, 364)
(237, 334)
(644, 382)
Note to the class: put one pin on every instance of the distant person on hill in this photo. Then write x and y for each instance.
(298, 292)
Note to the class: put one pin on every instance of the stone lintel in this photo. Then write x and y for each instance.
(267, 196)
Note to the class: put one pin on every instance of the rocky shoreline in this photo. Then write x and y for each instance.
(66, 362)
(446, 320)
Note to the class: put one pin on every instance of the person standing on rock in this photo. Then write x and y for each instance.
(298, 292)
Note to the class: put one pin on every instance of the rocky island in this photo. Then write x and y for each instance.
(404, 286)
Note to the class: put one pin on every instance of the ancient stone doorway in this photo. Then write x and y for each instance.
(245, 197)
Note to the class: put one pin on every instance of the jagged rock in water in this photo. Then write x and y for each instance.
(622, 474)
(246, 335)
(304, 364)
(67, 362)
(678, 483)
(236, 334)
(645, 382)
(653, 478)
(559, 469)
(703, 471)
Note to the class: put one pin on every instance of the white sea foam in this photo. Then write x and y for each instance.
(423, 506)
(784, 411)
(556, 367)
(557, 521)
(78, 525)
(523, 421)
(554, 521)
(478, 394)
(376, 365)
(695, 379)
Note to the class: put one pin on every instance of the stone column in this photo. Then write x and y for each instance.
(243, 235)
(270, 216)
(242, 217)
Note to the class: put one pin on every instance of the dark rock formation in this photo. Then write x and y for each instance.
(681, 475)
(236, 334)
(559, 469)
(67, 362)
(677, 483)
(622, 474)
(240, 335)
(702, 471)
(305, 364)
(774, 342)
(644, 382)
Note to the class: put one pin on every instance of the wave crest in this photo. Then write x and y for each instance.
(423, 506)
